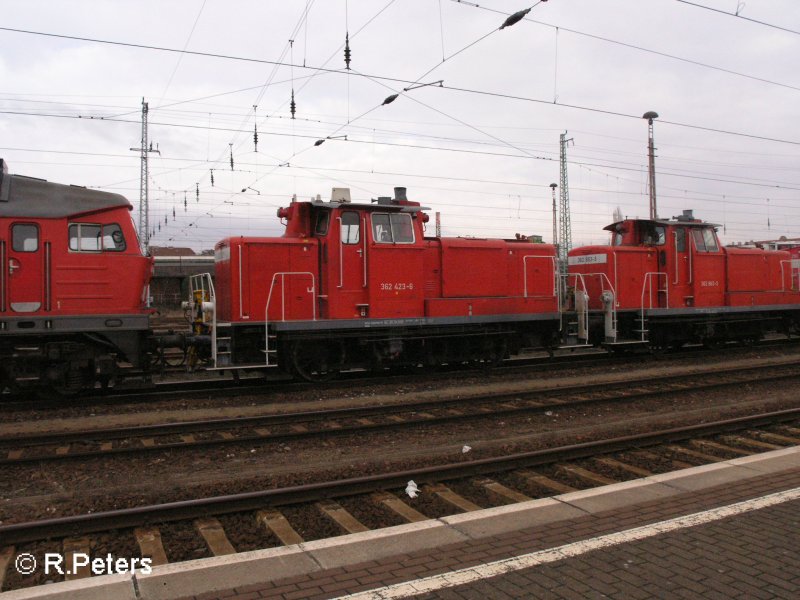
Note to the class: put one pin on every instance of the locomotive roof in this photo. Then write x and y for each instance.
(673, 222)
(372, 206)
(28, 197)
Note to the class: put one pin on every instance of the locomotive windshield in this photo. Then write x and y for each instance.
(392, 228)
(705, 240)
(321, 226)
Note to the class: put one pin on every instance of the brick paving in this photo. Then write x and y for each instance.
(754, 555)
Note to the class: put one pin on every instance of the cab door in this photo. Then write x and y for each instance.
(24, 270)
(708, 266)
(347, 291)
(680, 294)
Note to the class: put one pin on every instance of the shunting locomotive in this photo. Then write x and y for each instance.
(360, 285)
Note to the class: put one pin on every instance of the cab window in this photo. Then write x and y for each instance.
(25, 237)
(392, 228)
(321, 226)
(84, 237)
(705, 240)
(350, 228)
(91, 237)
(711, 240)
(113, 238)
(680, 240)
(654, 235)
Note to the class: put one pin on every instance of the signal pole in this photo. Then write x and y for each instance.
(553, 187)
(144, 207)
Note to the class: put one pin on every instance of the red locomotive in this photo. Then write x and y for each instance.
(73, 284)
(359, 285)
(669, 282)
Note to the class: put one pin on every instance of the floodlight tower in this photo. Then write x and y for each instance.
(650, 115)
(144, 207)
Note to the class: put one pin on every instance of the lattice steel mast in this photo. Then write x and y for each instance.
(565, 227)
(144, 195)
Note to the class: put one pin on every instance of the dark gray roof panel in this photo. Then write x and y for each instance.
(37, 198)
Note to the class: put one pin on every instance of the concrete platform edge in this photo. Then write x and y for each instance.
(242, 569)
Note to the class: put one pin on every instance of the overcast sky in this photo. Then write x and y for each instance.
(482, 149)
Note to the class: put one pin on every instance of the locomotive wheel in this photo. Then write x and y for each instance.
(315, 362)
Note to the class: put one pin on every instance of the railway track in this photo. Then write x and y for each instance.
(91, 443)
(557, 470)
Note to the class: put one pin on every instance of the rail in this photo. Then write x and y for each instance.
(553, 259)
(312, 290)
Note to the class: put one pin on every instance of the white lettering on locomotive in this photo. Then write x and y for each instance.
(588, 259)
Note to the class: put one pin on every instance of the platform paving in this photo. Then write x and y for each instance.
(751, 555)
(726, 530)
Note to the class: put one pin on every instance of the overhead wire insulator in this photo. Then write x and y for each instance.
(185, 204)
(197, 192)
(231, 146)
(173, 213)
(347, 50)
(212, 177)
(255, 136)
(515, 18)
(292, 105)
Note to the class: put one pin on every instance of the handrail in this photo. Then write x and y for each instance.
(203, 283)
(793, 270)
(604, 280)
(553, 259)
(647, 285)
(282, 275)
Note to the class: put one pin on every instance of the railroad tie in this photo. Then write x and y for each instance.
(758, 444)
(543, 481)
(449, 496)
(695, 454)
(106, 446)
(149, 540)
(623, 466)
(275, 522)
(71, 547)
(215, 537)
(62, 450)
(501, 490)
(721, 447)
(678, 464)
(792, 430)
(341, 516)
(14, 454)
(780, 439)
(586, 475)
(6, 554)
(399, 507)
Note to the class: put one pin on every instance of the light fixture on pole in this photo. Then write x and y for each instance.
(244, 189)
(650, 115)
